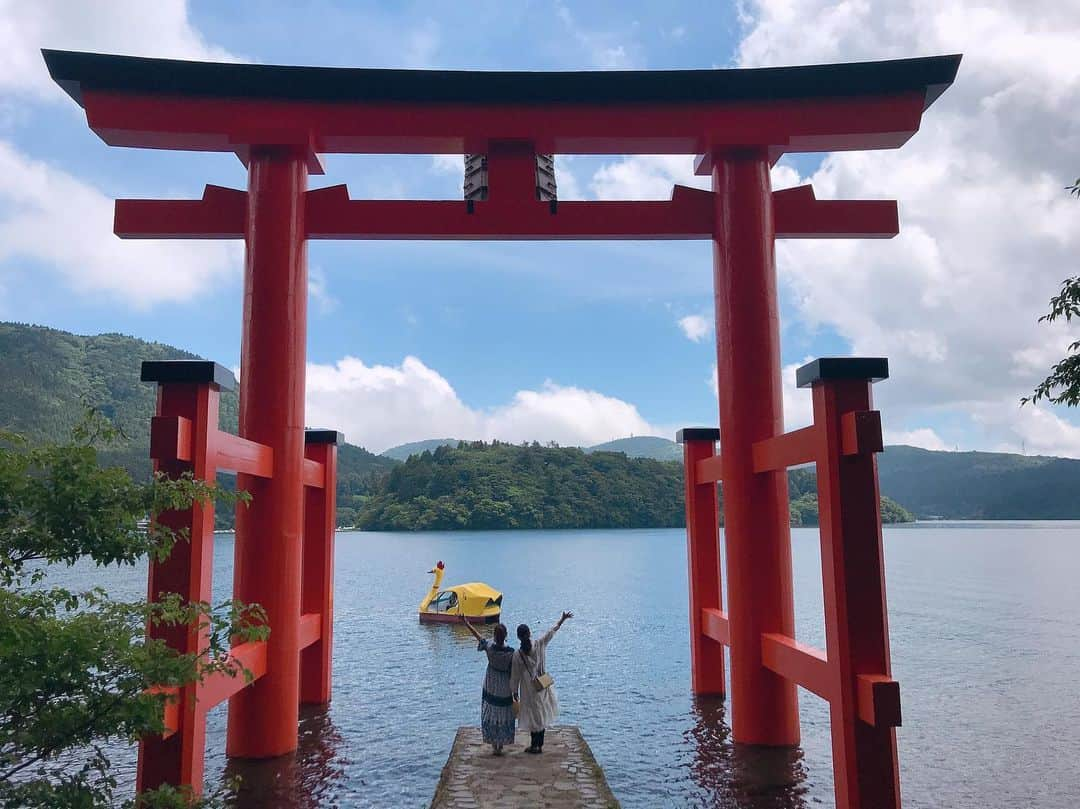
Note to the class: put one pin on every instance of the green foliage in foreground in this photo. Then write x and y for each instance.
(1062, 386)
(483, 486)
(75, 666)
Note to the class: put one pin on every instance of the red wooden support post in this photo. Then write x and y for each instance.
(511, 171)
(183, 440)
(865, 706)
(764, 706)
(263, 718)
(703, 560)
(320, 522)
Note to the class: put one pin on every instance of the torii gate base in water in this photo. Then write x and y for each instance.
(277, 120)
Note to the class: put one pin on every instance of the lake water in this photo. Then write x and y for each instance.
(985, 643)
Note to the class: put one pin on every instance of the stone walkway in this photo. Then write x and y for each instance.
(564, 776)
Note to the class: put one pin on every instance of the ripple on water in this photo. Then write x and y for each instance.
(984, 637)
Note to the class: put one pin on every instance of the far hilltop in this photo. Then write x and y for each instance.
(930, 483)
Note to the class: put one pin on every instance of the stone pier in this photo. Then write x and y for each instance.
(564, 776)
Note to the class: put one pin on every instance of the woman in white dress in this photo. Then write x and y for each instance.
(538, 707)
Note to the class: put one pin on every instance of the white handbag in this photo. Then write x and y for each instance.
(539, 681)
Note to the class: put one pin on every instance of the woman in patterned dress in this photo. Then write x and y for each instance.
(496, 702)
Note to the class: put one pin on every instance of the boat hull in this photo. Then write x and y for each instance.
(452, 618)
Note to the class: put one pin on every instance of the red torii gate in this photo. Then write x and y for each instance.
(278, 119)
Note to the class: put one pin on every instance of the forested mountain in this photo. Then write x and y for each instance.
(638, 446)
(642, 446)
(981, 485)
(48, 378)
(359, 472)
(403, 451)
(478, 486)
(962, 485)
(47, 375)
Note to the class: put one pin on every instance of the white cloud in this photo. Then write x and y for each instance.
(1031, 430)
(695, 327)
(453, 164)
(922, 437)
(319, 292)
(644, 177)
(798, 406)
(131, 27)
(602, 49)
(51, 217)
(653, 176)
(798, 402)
(987, 231)
(568, 415)
(422, 44)
(379, 406)
(565, 179)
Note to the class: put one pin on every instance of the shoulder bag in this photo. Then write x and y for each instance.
(541, 681)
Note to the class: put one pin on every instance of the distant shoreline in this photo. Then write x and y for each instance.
(1005, 521)
(352, 529)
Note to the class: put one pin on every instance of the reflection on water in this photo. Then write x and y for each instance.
(442, 638)
(724, 774)
(737, 775)
(309, 777)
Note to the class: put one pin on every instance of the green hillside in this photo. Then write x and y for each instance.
(639, 446)
(475, 485)
(642, 446)
(46, 376)
(403, 451)
(636, 446)
(951, 485)
(478, 486)
(981, 485)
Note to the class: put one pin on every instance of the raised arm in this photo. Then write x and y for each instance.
(566, 616)
(470, 627)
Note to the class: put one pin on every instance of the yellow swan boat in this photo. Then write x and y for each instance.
(475, 600)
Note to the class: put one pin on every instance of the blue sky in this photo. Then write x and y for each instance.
(589, 341)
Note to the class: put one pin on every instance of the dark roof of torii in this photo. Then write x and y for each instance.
(76, 71)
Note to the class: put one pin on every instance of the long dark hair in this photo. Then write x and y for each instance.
(525, 637)
(499, 634)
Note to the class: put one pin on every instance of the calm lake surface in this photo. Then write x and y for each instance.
(985, 642)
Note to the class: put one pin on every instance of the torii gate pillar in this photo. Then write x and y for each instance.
(263, 718)
(757, 535)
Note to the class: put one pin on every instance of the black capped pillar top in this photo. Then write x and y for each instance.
(193, 372)
(824, 369)
(320, 435)
(697, 434)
